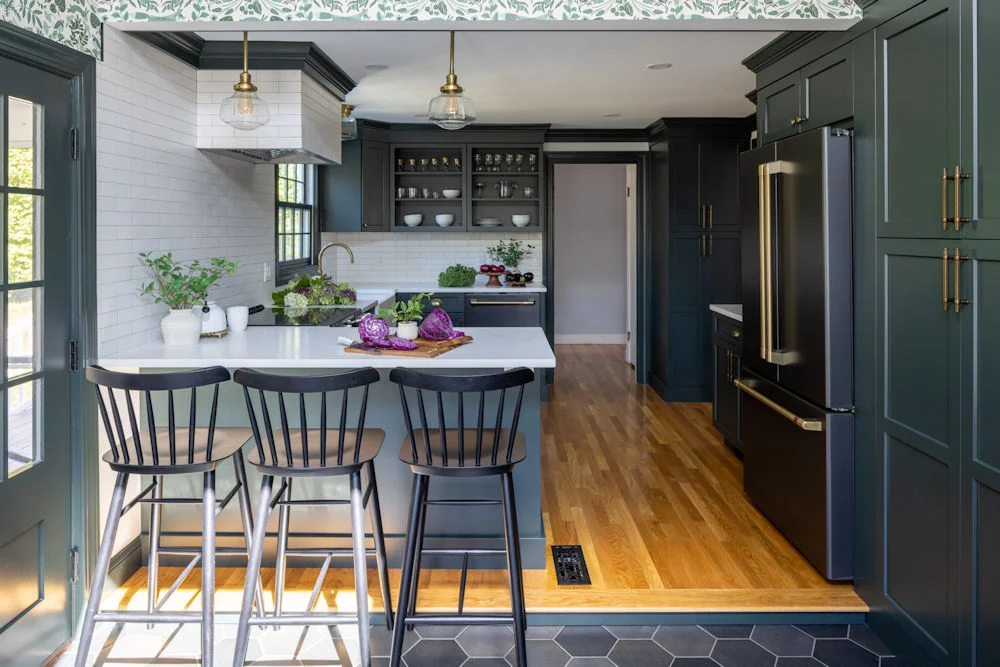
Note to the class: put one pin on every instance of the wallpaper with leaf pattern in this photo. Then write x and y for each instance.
(77, 22)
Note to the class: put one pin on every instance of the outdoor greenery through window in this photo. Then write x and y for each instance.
(296, 217)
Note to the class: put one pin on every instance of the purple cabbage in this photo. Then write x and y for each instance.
(373, 331)
(402, 344)
(438, 326)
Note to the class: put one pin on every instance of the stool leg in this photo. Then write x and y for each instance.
(514, 567)
(154, 547)
(284, 512)
(379, 535)
(244, 497)
(253, 571)
(360, 569)
(101, 570)
(415, 586)
(208, 571)
(409, 556)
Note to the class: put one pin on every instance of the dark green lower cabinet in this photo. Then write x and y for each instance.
(728, 356)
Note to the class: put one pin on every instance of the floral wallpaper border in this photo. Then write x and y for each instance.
(76, 23)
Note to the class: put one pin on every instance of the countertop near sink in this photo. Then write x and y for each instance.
(733, 311)
(372, 291)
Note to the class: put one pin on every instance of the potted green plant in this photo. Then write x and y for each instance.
(182, 287)
(406, 315)
(510, 253)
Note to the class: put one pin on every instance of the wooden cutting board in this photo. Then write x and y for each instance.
(426, 349)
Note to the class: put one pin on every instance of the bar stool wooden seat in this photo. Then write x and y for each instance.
(329, 448)
(492, 448)
(166, 450)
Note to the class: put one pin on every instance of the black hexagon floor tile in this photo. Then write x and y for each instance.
(439, 631)
(741, 653)
(585, 640)
(382, 641)
(694, 662)
(843, 653)
(486, 641)
(798, 662)
(786, 640)
(435, 653)
(821, 631)
(631, 631)
(542, 631)
(862, 634)
(485, 662)
(728, 631)
(688, 641)
(542, 653)
(634, 652)
(590, 662)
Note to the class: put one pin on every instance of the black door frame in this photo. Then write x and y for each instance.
(81, 70)
(642, 263)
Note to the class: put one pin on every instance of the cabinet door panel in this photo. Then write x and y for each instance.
(720, 172)
(375, 186)
(686, 258)
(980, 131)
(918, 117)
(340, 191)
(779, 105)
(685, 197)
(725, 403)
(828, 89)
(689, 356)
(722, 281)
(918, 421)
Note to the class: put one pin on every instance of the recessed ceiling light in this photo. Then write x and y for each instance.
(610, 115)
(376, 68)
(659, 66)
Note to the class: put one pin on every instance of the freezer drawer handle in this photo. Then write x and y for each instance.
(477, 302)
(801, 422)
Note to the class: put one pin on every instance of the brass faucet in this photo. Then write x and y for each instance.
(323, 250)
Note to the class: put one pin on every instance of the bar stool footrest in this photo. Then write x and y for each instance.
(459, 619)
(304, 619)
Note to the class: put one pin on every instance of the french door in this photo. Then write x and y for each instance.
(35, 397)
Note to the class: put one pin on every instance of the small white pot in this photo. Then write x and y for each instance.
(181, 327)
(407, 330)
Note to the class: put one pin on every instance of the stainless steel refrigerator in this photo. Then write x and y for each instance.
(797, 409)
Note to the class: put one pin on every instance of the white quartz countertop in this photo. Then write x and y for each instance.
(415, 288)
(733, 311)
(317, 347)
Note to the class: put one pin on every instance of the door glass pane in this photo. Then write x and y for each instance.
(23, 436)
(24, 233)
(24, 308)
(24, 145)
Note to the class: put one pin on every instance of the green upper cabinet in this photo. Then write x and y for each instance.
(980, 130)
(919, 116)
(355, 193)
(819, 94)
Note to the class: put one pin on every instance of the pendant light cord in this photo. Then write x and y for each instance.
(246, 50)
(451, 62)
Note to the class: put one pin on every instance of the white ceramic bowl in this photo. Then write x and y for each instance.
(413, 219)
(444, 219)
(521, 220)
(451, 194)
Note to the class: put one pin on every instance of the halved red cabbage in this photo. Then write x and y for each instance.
(438, 326)
(398, 343)
(373, 330)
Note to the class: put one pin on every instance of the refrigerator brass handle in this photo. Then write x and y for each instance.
(958, 300)
(710, 216)
(763, 211)
(801, 422)
(477, 302)
(944, 279)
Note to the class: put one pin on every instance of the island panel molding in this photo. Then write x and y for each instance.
(77, 23)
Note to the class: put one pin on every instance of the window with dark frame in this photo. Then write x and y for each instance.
(296, 234)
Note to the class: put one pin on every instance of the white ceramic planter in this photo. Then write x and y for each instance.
(407, 330)
(181, 327)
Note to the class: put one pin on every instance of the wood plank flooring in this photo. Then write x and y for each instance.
(647, 488)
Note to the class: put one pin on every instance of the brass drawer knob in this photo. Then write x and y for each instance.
(736, 333)
(436, 303)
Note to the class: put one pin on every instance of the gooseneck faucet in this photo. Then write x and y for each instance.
(323, 250)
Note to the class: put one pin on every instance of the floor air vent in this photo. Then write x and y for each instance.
(571, 568)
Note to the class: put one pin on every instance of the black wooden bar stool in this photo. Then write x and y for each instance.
(163, 451)
(328, 449)
(461, 452)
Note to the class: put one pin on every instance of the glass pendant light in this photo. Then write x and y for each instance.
(451, 110)
(348, 125)
(244, 110)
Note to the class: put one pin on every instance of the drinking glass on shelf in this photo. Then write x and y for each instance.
(412, 163)
(480, 186)
(434, 164)
(427, 193)
(532, 162)
(489, 162)
(423, 164)
(458, 163)
(509, 161)
(496, 162)
(400, 193)
(519, 162)
(399, 164)
(445, 164)
(477, 160)
(411, 193)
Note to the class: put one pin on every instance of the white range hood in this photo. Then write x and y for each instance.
(304, 126)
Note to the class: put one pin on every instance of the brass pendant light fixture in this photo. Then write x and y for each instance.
(348, 125)
(244, 109)
(451, 110)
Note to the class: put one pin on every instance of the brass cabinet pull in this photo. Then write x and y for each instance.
(710, 216)
(436, 303)
(701, 223)
(709, 245)
(944, 279)
(704, 252)
(958, 300)
(736, 333)
(798, 120)
(801, 422)
(944, 203)
(956, 180)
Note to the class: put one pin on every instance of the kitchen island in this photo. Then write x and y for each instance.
(315, 350)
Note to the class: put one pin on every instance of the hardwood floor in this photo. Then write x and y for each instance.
(647, 488)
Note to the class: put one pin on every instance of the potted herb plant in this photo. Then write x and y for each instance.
(406, 315)
(182, 287)
(510, 253)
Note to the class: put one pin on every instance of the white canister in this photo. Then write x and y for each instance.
(181, 327)
(407, 330)
(237, 317)
(213, 320)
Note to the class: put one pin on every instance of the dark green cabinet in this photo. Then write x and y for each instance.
(818, 94)
(727, 348)
(695, 248)
(354, 193)
(980, 130)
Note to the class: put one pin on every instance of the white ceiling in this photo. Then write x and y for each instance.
(568, 79)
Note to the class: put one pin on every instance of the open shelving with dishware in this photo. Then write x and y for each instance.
(505, 188)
